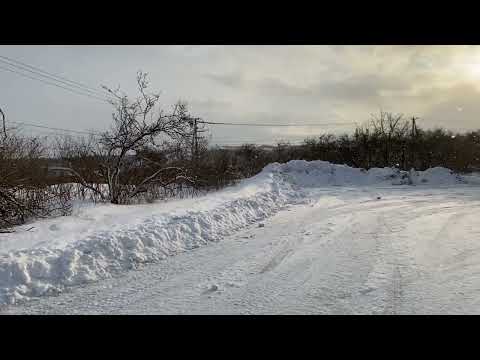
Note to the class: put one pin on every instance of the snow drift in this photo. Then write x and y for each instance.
(102, 241)
(322, 173)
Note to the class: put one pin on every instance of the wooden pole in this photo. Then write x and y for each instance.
(4, 126)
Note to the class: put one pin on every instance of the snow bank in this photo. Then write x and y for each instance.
(322, 173)
(102, 241)
(473, 178)
(47, 268)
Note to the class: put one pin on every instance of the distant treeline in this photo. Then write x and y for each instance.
(386, 141)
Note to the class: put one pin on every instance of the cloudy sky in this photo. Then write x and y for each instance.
(254, 84)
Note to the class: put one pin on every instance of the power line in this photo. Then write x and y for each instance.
(46, 134)
(55, 128)
(219, 139)
(255, 144)
(52, 76)
(283, 140)
(274, 125)
(54, 84)
(222, 143)
(70, 86)
(250, 141)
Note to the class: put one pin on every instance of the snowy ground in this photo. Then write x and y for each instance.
(364, 246)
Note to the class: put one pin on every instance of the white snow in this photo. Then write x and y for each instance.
(98, 242)
(321, 173)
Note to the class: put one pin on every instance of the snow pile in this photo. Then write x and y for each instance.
(48, 269)
(102, 241)
(436, 176)
(473, 178)
(322, 173)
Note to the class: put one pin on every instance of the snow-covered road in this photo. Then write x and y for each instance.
(350, 250)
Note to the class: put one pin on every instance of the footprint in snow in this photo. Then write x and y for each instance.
(211, 289)
(367, 290)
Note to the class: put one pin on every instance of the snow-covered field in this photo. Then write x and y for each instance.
(335, 240)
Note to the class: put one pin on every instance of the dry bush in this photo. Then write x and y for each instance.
(24, 190)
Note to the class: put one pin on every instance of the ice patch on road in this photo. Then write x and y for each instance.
(106, 240)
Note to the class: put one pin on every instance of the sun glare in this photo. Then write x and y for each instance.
(472, 66)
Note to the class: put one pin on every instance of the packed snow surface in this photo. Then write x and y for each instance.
(102, 241)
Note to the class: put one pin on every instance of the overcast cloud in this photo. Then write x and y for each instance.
(270, 84)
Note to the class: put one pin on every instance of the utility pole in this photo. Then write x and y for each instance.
(413, 138)
(414, 127)
(4, 126)
(195, 139)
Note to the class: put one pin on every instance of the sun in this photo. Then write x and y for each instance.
(472, 66)
(473, 70)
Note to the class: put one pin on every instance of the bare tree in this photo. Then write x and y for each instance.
(388, 127)
(138, 128)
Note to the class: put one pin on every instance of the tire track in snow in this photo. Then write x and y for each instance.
(359, 258)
